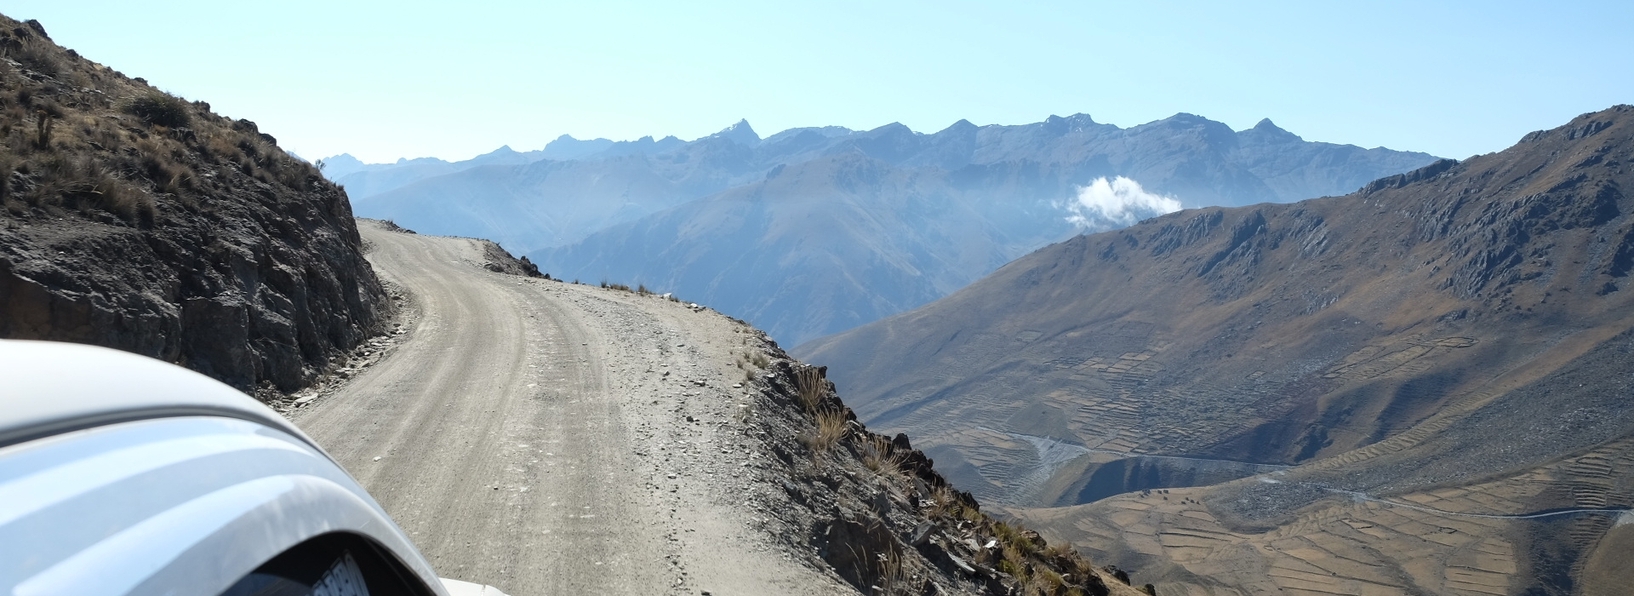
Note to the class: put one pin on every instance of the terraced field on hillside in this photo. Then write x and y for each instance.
(1467, 540)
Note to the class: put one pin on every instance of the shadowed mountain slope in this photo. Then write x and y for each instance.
(839, 229)
(817, 247)
(135, 220)
(1465, 325)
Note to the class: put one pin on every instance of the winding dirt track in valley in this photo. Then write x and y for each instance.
(549, 438)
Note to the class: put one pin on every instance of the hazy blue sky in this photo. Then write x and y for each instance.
(453, 79)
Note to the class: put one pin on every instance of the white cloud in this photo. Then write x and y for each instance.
(1119, 202)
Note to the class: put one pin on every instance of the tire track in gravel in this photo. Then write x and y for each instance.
(526, 434)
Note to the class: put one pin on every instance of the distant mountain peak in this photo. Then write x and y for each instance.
(506, 155)
(894, 128)
(1186, 118)
(1073, 123)
(740, 133)
(1270, 131)
(344, 158)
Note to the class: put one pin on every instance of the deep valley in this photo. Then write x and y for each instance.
(1448, 346)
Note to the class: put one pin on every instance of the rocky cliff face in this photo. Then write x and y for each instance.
(876, 511)
(139, 221)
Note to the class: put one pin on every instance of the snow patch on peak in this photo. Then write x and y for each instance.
(740, 133)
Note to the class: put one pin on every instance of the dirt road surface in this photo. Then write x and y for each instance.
(551, 438)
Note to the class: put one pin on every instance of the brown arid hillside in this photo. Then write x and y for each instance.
(133, 219)
(1422, 386)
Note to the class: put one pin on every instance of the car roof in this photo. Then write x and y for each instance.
(48, 388)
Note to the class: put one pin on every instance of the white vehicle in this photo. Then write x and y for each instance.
(121, 474)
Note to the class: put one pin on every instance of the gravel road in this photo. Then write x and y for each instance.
(551, 438)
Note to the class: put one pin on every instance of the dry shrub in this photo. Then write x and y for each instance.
(827, 432)
(11, 121)
(163, 163)
(810, 384)
(297, 174)
(1045, 581)
(38, 57)
(1011, 561)
(160, 109)
(77, 182)
(56, 177)
(878, 456)
(221, 146)
(93, 133)
(119, 198)
(948, 505)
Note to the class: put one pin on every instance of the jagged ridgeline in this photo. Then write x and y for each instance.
(133, 219)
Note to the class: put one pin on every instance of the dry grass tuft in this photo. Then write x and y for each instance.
(826, 433)
(894, 576)
(878, 456)
(1045, 581)
(946, 505)
(811, 385)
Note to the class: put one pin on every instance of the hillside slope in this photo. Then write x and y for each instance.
(136, 220)
(1395, 341)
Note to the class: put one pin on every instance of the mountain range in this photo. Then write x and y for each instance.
(1419, 387)
(812, 231)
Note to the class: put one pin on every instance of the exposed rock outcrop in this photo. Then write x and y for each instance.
(136, 220)
(875, 510)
